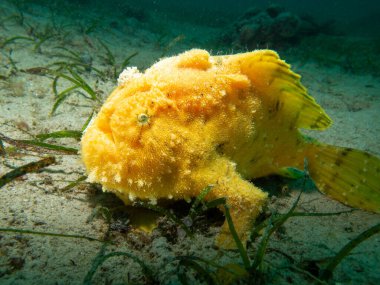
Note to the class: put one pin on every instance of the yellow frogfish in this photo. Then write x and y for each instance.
(195, 120)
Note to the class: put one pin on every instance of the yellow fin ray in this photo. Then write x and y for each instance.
(281, 90)
(348, 175)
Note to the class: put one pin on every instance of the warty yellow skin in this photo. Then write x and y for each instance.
(195, 120)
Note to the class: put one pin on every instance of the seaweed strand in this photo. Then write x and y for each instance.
(24, 169)
(48, 234)
(326, 272)
(37, 146)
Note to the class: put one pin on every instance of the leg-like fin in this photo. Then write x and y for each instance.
(245, 200)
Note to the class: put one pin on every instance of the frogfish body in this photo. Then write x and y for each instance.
(195, 120)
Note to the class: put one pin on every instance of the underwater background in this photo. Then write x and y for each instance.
(59, 60)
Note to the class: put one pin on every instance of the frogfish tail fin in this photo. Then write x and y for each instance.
(348, 175)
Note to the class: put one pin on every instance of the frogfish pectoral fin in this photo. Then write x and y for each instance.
(245, 201)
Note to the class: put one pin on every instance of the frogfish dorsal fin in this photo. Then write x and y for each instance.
(281, 89)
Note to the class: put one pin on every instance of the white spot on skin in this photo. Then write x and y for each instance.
(233, 164)
(140, 183)
(128, 74)
(92, 175)
(131, 197)
(117, 178)
(153, 201)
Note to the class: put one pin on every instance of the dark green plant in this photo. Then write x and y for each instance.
(93, 25)
(15, 38)
(41, 36)
(2, 148)
(78, 83)
(38, 146)
(248, 268)
(102, 257)
(69, 55)
(47, 146)
(196, 206)
(27, 168)
(74, 60)
(18, 18)
(87, 122)
(168, 46)
(13, 67)
(110, 59)
(32, 232)
(60, 134)
(19, 15)
(60, 27)
(40, 138)
(200, 266)
(326, 272)
(73, 184)
(38, 37)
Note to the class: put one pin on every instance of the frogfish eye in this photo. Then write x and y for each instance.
(143, 119)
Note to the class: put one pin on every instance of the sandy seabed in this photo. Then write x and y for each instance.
(39, 202)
